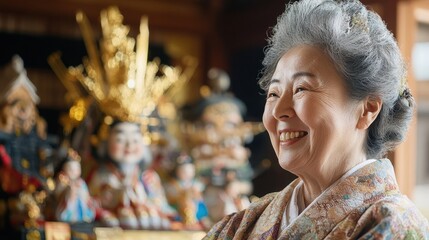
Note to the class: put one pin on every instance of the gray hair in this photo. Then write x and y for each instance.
(364, 52)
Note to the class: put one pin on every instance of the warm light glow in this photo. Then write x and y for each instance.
(108, 120)
(131, 83)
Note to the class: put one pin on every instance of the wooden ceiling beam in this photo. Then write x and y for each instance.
(188, 15)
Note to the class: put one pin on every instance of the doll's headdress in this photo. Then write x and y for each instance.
(14, 75)
(117, 73)
(215, 93)
(217, 101)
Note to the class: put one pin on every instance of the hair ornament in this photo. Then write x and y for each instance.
(72, 155)
(355, 18)
(404, 90)
(358, 21)
(405, 93)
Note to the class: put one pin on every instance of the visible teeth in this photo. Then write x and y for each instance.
(284, 136)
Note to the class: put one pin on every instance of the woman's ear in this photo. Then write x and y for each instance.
(371, 107)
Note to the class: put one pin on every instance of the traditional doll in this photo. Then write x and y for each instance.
(185, 192)
(24, 150)
(25, 155)
(216, 133)
(72, 199)
(126, 88)
(130, 195)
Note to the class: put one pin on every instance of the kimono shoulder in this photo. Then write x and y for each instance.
(394, 217)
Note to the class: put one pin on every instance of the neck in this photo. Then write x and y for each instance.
(316, 182)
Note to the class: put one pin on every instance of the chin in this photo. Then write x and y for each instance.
(285, 165)
(288, 164)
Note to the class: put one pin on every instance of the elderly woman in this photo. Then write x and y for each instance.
(337, 101)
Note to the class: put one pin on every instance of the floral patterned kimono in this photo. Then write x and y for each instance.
(367, 204)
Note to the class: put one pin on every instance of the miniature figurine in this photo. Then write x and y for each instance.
(25, 155)
(184, 192)
(24, 149)
(130, 195)
(74, 204)
(216, 133)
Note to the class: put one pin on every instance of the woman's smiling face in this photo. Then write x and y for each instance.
(308, 112)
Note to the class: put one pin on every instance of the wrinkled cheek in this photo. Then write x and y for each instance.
(270, 125)
(268, 119)
(311, 117)
(321, 130)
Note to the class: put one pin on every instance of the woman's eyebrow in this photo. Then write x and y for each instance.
(302, 74)
(274, 80)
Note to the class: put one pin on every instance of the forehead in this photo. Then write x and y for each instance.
(304, 58)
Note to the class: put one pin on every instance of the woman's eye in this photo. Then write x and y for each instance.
(300, 89)
(271, 94)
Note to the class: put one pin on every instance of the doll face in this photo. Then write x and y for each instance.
(125, 143)
(72, 169)
(224, 116)
(221, 120)
(21, 109)
(186, 172)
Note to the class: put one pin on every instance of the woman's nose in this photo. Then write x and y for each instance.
(284, 107)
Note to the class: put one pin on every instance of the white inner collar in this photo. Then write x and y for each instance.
(296, 205)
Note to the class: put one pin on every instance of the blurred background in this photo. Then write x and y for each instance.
(227, 34)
